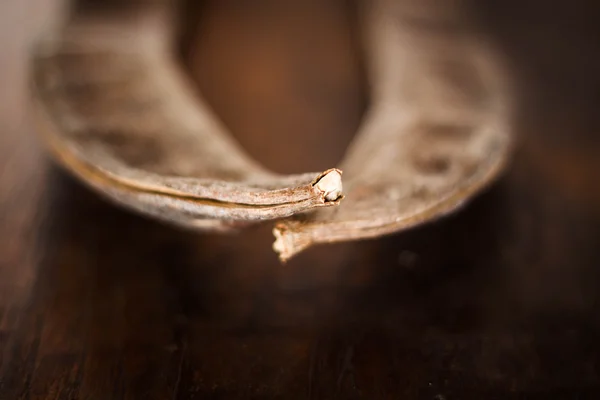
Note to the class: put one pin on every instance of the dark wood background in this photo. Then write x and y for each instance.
(498, 301)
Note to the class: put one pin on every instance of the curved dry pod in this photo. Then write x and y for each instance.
(435, 135)
(117, 112)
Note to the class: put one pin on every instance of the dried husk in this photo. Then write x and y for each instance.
(116, 110)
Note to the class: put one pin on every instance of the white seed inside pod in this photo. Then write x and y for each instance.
(331, 185)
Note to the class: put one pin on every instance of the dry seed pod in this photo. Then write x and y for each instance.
(117, 112)
(435, 134)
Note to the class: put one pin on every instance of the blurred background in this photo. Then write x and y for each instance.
(497, 301)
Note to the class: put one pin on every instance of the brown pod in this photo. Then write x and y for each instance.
(435, 135)
(115, 109)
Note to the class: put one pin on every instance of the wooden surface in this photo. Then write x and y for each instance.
(498, 301)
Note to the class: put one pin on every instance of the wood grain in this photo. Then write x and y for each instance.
(498, 301)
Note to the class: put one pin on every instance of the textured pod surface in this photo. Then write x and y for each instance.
(436, 133)
(116, 111)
